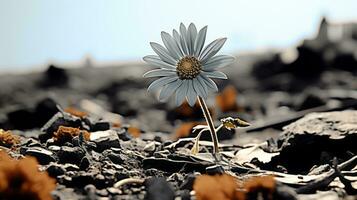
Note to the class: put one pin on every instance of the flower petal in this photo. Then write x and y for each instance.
(169, 89)
(210, 83)
(191, 38)
(191, 94)
(199, 89)
(157, 62)
(161, 82)
(163, 53)
(184, 39)
(159, 72)
(181, 92)
(200, 41)
(203, 84)
(218, 62)
(177, 39)
(211, 49)
(215, 74)
(171, 45)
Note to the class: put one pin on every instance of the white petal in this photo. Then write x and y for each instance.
(210, 83)
(169, 89)
(177, 39)
(184, 39)
(191, 94)
(199, 89)
(163, 53)
(211, 49)
(203, 84)
(218, 62)
(171, 45)
(159, 72)
(157, 62)
(215, 74)
(181, 92)
(161, 82)
(191, 38)
(200, 41)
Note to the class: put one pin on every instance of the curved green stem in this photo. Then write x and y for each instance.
(210, 124)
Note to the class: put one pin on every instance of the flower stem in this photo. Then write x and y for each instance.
(210, 124)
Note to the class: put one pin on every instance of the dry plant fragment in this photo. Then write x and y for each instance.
(222, 187)
(21, 180)
(7, 139)
(75, 112)
(65, 134)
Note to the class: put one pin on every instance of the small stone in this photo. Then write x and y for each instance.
(114, 191)
(55, 170)
(150, 147)
(215, 169)
(105, 140)
(54, 148)
(84, 163)
(158, 188)
(70, 155)
(43, 156)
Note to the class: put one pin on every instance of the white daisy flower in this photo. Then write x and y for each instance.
(185, 67)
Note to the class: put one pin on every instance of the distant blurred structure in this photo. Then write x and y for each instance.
(334, 46)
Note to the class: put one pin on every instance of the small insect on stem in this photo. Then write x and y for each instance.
(210, 124)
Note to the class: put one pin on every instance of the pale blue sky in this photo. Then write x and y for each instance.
(33, 32)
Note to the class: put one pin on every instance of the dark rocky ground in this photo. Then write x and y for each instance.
(134, 138)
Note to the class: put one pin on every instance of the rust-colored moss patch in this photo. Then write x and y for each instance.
(222, 187)
(226, 100)
(7, 139)
(185, 129)
(133, 131)
(21, 179)
(65, 134)
(75, 112)
(226, 187)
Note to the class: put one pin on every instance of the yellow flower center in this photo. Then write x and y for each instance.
(188, 68)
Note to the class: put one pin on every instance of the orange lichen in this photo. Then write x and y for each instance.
(133, 131)
(75, 112)
(7, 139)
(259, 186)
(185, 129)
(65, 134)
(226, 187)
(21, 179)
(226, 100)
(222, 187)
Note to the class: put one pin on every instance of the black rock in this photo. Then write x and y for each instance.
(187, 184)
(105, 140)
(44, 111)
(310, 101)
(20, 119)
(43, 156)
(158, 188)
(60, 119)
(215, 169)
(114, 157)
(85, 162)
(54, 76)
(71, 155)
(55, 170)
